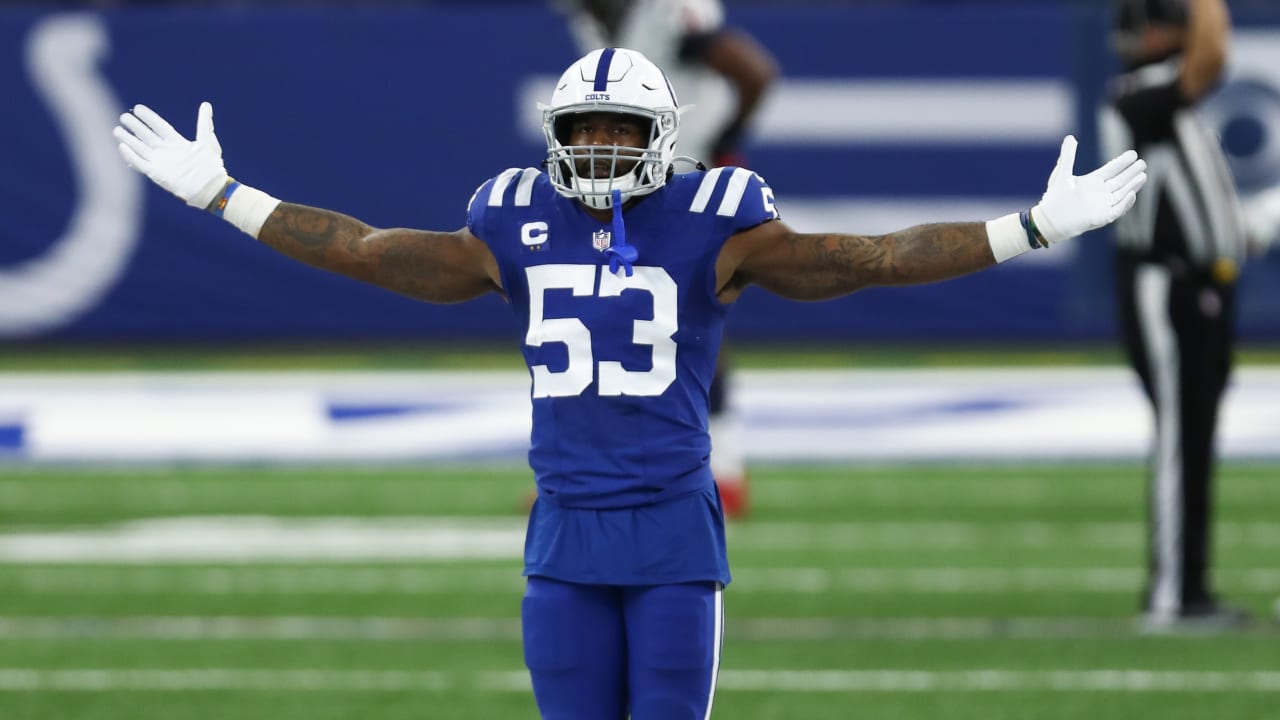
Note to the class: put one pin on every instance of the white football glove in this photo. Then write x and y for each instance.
(192, 170)
(1073, 205)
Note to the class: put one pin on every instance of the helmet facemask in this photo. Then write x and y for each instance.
(590, 173)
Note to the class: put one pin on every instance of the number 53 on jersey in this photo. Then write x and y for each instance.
(573, 333)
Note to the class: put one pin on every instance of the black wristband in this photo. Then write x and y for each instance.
(1034, 238)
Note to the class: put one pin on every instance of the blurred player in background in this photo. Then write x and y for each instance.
(623, 273)
(1178, 256)
(723, 73)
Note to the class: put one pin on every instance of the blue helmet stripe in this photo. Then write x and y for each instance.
(602, 70)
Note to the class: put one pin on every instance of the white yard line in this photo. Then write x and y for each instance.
(483, 629)
(811, 536)
(260, 538)
(1115, 680)
(199, 539)
(376, 629)
(414, 581)
(1118, 680)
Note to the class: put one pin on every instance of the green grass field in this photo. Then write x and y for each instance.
(921, 591)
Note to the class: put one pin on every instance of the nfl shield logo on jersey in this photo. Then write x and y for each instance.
(601, 239)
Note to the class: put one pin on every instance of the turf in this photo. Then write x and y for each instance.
(915, 591)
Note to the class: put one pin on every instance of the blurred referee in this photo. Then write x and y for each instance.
(1178, 255)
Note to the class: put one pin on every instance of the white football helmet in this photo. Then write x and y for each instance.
(611, 80)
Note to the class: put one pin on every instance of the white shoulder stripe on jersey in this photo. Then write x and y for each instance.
(707, 187)
(733, 194)
(500, 185)
(524, 191)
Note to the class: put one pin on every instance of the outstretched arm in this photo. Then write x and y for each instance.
(439, 267)
(433, 266)
(1208, 41)
(809, 266)
(806, 266)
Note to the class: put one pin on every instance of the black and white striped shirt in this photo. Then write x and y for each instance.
(1189, 208)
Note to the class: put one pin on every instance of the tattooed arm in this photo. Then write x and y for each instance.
(440, 267)
(816, 266)
(433, 266)
(810, 266)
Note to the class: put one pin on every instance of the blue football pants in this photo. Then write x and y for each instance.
(608, 652)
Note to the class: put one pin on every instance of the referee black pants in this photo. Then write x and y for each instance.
(1179, 333)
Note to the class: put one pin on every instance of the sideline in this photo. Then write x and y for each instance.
(402, 416)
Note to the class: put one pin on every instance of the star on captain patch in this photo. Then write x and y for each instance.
(601, 239)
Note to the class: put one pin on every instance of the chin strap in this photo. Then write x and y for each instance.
(619, 252)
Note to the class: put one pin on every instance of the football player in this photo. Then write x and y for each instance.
(724, 73)
(621, 273)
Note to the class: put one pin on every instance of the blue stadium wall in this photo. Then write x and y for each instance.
(396, 114)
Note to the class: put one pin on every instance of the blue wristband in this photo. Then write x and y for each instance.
(220, 206)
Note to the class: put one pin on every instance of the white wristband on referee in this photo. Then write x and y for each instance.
(245, 207)
(1007, 236)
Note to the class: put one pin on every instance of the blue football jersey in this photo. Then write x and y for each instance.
(621, 365)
